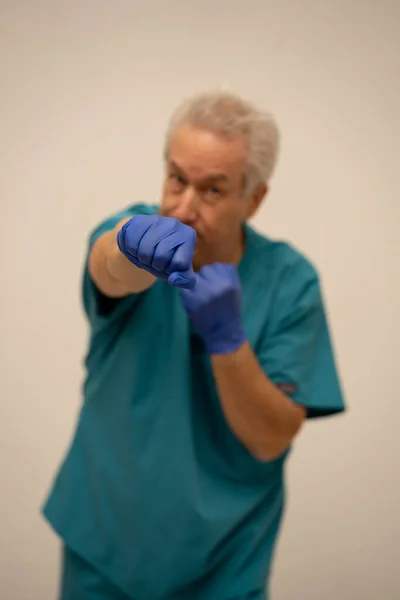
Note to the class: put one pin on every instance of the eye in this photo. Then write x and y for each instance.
(212, 194)
(177, 181)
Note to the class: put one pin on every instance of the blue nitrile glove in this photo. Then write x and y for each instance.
(163, 246)
(214, 307)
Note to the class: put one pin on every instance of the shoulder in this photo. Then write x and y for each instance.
(288, 282)
(280, 260)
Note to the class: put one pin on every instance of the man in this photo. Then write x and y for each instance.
(209, 347)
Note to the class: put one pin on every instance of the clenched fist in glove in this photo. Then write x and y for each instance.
(163, 246)
(214, 306)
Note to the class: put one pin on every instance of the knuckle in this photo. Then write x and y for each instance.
(190, 232)
(180, 264)
(174, 223)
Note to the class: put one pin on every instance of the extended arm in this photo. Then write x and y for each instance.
(140, 250)
(113, 273)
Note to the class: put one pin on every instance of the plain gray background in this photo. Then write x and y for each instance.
(86, 91)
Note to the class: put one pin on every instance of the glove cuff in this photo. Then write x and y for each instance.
(225, 344)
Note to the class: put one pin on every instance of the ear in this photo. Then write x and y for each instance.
(256, 199)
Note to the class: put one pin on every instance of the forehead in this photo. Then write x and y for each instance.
(202, 153)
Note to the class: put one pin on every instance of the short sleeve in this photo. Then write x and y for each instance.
(296, 352)
(98, 308)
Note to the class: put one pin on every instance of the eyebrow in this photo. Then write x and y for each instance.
(210, 178)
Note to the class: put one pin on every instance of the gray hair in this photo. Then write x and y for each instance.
(231, 116)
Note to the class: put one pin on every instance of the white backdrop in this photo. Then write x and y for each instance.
(86, 91)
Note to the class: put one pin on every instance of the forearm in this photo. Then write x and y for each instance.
(112, 272)
(260, 415)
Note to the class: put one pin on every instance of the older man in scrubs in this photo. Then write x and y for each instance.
(209, 347)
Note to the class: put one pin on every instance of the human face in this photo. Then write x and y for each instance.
(203, 188)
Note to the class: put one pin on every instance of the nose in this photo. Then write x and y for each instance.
(187, 208)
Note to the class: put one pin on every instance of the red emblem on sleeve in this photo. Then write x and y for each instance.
(287, 388)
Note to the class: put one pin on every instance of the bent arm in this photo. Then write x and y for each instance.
(262, 417)
(114, 275)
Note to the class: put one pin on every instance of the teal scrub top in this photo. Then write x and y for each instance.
(156, 492)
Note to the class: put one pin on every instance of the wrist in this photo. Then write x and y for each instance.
(226, 342)
(120, 268)
(233, 359)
